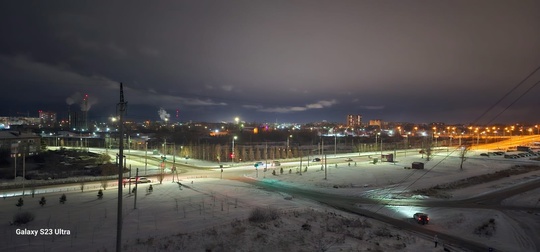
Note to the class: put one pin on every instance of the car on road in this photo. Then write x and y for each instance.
(348, 160)
(138, 181)
(316, 160)
(144, 180)
(276, 163)
(421, 218)
(484, 154)
(259, 164)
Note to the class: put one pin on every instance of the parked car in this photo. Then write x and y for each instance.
(484, 154)
(421, 218)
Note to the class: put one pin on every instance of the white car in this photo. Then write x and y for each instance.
(140, 180)
(144, 180)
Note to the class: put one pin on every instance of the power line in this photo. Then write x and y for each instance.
(506, 95)
(507, 107)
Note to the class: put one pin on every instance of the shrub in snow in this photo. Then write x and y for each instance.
(100, 194)
(23, 218)
(486, 229)
(263, 214)
(20, 203)
(63, 199)
(42, 201)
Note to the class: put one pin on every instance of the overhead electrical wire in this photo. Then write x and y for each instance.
(506, 95)
(477, 119)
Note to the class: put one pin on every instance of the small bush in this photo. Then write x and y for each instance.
(63, 199)
(383, 232)
(23, 218)
(42, 201)
(306, 227)
(100, 194)
(486, 229)
(20, 203)
(263, 214)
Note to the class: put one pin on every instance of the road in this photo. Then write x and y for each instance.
(350, 204)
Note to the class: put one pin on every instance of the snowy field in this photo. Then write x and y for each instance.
(212, 213)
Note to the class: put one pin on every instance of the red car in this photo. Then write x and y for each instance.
(421, 218)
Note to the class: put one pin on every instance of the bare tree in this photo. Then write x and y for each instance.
(429, 152)
(462, 152)
(161, 176)
(104, 183)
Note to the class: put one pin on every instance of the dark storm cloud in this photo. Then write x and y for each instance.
(269, 60)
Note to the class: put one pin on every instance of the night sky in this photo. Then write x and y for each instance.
(268, 61)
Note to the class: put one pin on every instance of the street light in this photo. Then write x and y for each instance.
(381, 145)
(376, 140)
(145, 156)
(232, 155)
(335, 143)
(287, 150)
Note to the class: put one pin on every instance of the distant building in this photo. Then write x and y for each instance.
(78, 120)
(354, 120)
(376, 122)
(47, 118)
(17, 142)
(10, 121)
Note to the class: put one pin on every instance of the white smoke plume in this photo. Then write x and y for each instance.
(80, 99)
(163, 114)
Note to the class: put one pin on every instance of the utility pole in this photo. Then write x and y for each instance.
(335, 144)
(301, 154)
(136, 180)
(145, 156)
(23, 169)
(325, 171)
(121, 109)
(173, 169)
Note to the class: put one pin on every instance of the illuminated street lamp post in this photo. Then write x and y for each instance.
(288, 149)
(232, 152)
(376, 140)
(381, 146)
(434, 136)
(380, 136)
(335, 143)
(145, 156)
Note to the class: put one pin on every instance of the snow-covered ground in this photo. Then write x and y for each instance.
(211, 213)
